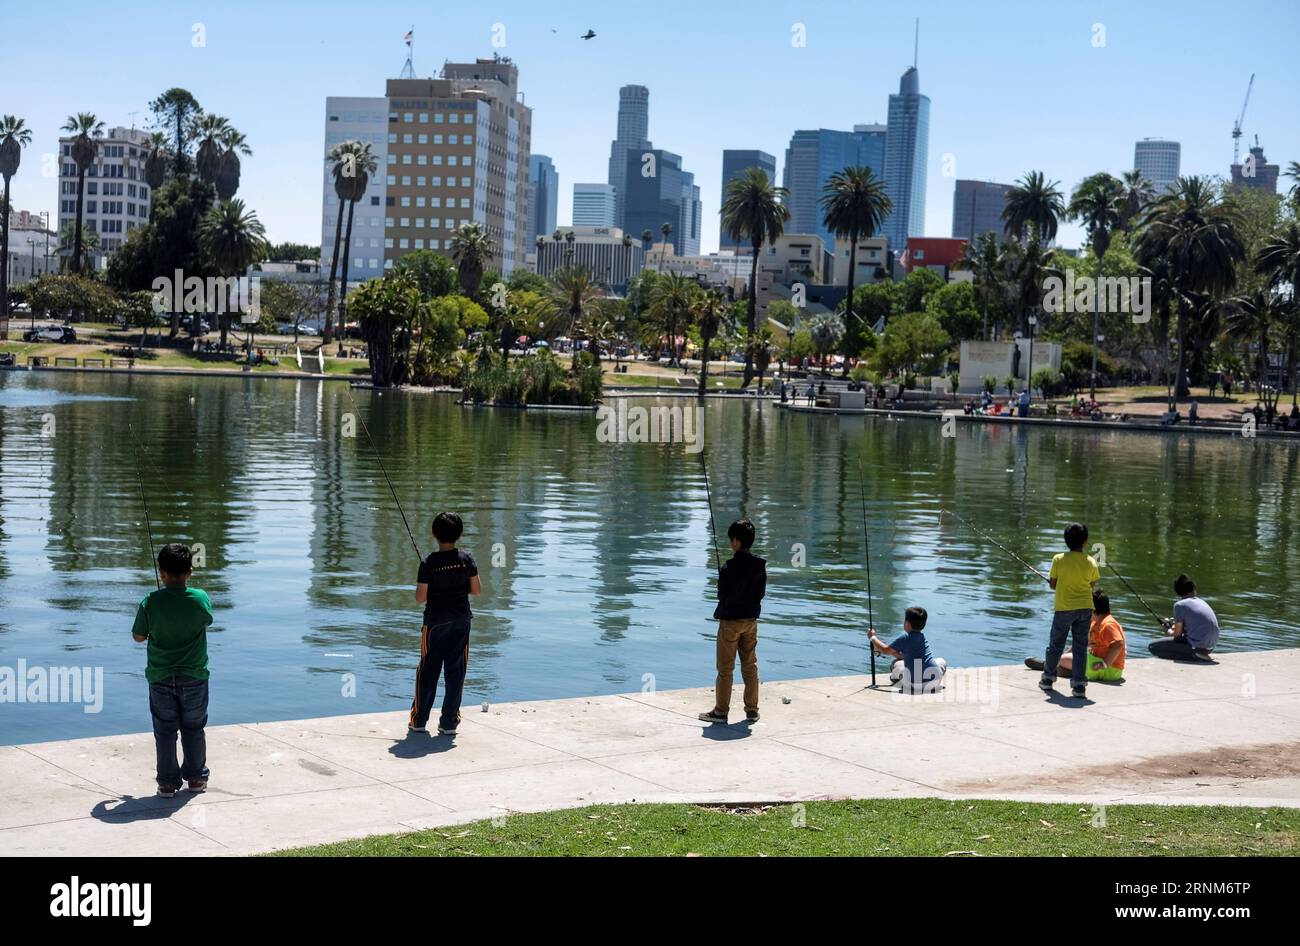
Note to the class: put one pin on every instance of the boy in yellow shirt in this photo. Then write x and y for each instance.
(1073, 575)
(1107, 646)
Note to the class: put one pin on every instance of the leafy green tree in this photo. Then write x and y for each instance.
(433, 272)
(826, 330)
(1278, 261)
(176, 110)
(954, 306)
(912, 342)
(388, 311)
(289, 252)
(916, 289)
(65, 295)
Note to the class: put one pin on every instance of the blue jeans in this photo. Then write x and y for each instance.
(1076, 624)
(180, 704)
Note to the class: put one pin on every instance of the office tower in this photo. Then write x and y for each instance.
(116, 199)
(906, 155)
(543, 197)
(977, 208)
(593, 205)
(1256, 172)
(632, 138)
(611, 258)
(669, 195)
(810, 160)
(733, 163)
(1158, 161)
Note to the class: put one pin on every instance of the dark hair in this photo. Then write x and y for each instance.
(1101, 602)
(447, 527)
(1184, 586)
(742, 530)
(1076, 534)
(916, 616)
(175, 559)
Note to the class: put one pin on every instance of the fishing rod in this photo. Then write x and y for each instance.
(1159, 619)
(866, 542)
(708, 495)
(145, 502)
(380, 460)
(990, 538)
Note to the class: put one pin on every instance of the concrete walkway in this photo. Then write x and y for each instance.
(1173, 733)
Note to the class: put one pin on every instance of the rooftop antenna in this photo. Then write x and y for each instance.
(408, 70)
(133, 114)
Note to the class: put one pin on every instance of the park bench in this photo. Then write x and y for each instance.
(123, 362)
(93, 362)
(61, 360)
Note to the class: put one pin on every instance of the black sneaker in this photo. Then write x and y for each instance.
(1033, 663)
(1079, 693)
(713, 716)
(751, 716)
(446, 730)
(167, 791)
(1047, 686)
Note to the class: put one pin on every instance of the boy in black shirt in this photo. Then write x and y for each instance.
(447, 578)
(741, 584)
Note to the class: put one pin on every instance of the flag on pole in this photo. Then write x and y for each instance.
(410, 35)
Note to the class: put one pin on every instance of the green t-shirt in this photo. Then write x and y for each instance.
(1075, 573)
(175, 620)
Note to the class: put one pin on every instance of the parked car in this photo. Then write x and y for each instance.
(51, 333)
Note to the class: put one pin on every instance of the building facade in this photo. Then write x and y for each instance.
(937, 253)
(810, 160)
(611, 258)
(1158, 161)
(668, 195)
(593, 205)
(632, 138)
(543, 197)
(453, 151)
(907, 152)
(116, 199)
(734, 163)
(977, 208)
(1256, 172)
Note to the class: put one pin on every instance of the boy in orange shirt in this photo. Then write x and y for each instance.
(1106, 645)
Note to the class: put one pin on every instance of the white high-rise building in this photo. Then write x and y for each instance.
(364, 119)
(1158, 160)
(593, 205)
(116, 199)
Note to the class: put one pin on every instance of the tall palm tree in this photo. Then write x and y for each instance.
(1293, 171)
(1034, 207)
(647, 239)
(854, 205)
(1198, 234)
(210, 129)
(234, 144)
(234, 238)
(353, 164)
(670, 303)
(708, 308)
(1252, 319)
(1098, 203)
(983, 258)
(471, 249)
(665, 228)
(1138, 192)
(176, 109)
(574, 295)
(754, 209)
(155, 162)
(87, 131)
(14, 136)
(1279, 262)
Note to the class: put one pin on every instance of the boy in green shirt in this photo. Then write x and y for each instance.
(1073, 575)
(174, 621)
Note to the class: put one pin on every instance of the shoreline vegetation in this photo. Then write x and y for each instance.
(923, 827)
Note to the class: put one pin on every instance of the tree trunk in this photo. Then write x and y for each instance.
(343, 289)
(1180, 386)
(704, 364)
(334, 268)
(4, 257)
(848, 299)
(751, 317)
(76, 237)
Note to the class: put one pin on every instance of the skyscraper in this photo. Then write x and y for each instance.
(543, 197)
(669, 195)
(1256, 172)
(733, 163)
(1158, 161)
(977, 208)
(907, 152)
(593, 205)
(810, 160)
(632, 137)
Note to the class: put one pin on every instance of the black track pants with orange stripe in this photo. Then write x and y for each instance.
(444, 651)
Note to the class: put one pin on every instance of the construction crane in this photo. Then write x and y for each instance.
(1236, 128)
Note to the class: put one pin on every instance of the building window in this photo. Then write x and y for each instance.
(408, 117)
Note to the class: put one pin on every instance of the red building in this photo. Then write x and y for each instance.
(937, 253)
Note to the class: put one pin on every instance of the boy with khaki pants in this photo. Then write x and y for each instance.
(742, 581)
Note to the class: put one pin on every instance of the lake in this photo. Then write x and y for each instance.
(595, 557)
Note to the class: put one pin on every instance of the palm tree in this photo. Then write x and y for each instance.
(352, 164)
(826, 330)
(670, 302)
(754, 209)
(227, 181)
(1098, 203)
(854, 205)
(1138, 192)
(14, 136)
(1293, 171)
(708, 309)
(176, 109)
(87, 130)
(665, 228)
(1034, 207)
(983, 258)
(647, 240)
(234, 238)
(1279, 262)
(155, 163)
(210, 129)
(574, 294)
(1197, 233)
(472, 249)
(1251, 319)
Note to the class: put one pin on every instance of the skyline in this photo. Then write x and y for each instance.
(1071, 116)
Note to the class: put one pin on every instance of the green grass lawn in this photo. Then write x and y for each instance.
(893, 827)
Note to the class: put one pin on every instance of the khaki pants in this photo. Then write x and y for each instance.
(739, 636)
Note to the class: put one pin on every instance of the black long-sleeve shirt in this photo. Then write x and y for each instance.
(742, 582)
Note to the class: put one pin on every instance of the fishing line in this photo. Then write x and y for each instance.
(380, 460)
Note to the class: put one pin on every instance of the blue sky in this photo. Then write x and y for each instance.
(1013, 85)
